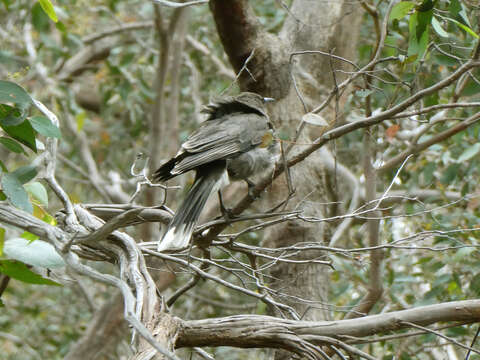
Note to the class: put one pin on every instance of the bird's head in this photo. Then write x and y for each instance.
(253, 100)
(244, 102)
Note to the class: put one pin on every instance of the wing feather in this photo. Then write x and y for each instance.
(220, 139)
(196, 159)
(213, 134)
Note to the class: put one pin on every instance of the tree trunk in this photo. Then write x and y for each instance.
(336, 24)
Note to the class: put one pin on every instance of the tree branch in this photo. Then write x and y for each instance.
(176, 5)
(416, 148)
(247, 331)
(237, 27)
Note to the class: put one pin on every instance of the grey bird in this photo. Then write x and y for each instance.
(234, 142)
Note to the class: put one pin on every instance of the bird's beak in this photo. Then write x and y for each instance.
(267, 99)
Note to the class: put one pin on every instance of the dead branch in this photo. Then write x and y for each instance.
(264, 331)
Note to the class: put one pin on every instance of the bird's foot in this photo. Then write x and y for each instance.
(251, 187)
(227, 213)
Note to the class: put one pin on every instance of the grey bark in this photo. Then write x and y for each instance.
(310, 25)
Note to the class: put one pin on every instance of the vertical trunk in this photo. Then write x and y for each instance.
(176, 61)
(313, 185)
(164, 119)
(336, 27)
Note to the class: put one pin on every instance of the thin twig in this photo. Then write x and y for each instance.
(176, 5)
(473, 343)
(469, 348)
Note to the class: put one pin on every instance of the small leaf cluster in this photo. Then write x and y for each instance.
(20, 137)
(20, 131)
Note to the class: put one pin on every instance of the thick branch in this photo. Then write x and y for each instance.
(237, 27)
(248, 331)
(23, 220)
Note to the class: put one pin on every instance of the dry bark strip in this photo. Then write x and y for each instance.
(248, 331)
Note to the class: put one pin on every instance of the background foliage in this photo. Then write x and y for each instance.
(433, 238)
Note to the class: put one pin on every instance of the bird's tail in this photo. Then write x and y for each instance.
(208, 180)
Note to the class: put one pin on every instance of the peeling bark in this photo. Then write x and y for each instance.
(264, 331)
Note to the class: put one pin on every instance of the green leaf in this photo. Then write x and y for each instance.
(416, 46)
(464, 27)
(401, 9)
(438, 28)
(412, 58)
(49, 10)
(469, 153)
(463, 16)
(428, 171)
(463, 253)
(2, 240)
(45, 127)
(7, 4)
(29, 236)
(49, 219)
(19, 271)
(25, 173)
(80, 120)
(426, 5)
(11, 145)
(40, 20)
(450, 174)
(412, 34)
(457, 331)
(37, 191)
(471, 89)
(13, 93)
(23, 133)
(475, 284)
(127, 59)
(424, 20)
(61, 27)
(10, 115)
(442, 279)
(15, 192)
(454, 8)
(36, 253)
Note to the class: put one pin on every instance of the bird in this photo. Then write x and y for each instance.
(233, 143)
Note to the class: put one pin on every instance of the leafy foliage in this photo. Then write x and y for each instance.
(19, 271)
(431, 253)
(21, 129)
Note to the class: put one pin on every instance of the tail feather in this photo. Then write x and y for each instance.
(163, 173)
(181, 227)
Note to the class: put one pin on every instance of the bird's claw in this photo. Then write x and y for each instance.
(226, 212)
(251, 188)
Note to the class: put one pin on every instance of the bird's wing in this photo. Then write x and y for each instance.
(193, 160)
(213, 134)
(220, 139)
(238, 128)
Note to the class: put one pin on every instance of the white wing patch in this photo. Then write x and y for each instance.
(175, 239)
